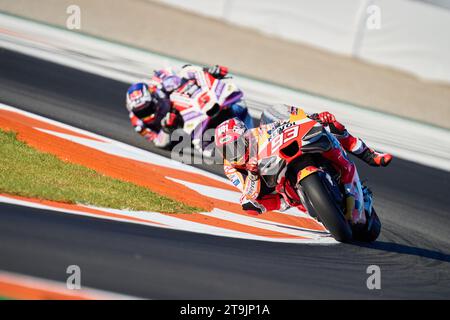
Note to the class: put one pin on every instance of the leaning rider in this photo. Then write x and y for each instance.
(240, 163)
(149, 105)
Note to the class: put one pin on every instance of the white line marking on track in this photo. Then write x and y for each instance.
(269, 225)
(59, 287)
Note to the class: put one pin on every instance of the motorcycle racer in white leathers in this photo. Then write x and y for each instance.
(149, 103)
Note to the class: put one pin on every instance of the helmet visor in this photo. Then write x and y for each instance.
(147, 110)
(236, 151)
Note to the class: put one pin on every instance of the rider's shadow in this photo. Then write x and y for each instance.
(404, 249)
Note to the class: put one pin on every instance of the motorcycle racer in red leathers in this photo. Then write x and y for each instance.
(238, 144)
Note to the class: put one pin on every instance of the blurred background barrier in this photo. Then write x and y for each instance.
(160, 27)
(407, 35)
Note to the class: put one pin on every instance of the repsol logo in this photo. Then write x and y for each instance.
(279, 129)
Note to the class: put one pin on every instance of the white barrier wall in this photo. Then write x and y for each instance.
(407, 35)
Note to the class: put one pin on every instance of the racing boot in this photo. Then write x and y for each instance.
(358, 148)
(374, 158)
(353, 144)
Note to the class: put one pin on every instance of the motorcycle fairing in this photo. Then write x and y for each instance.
(289, 139)
(199, 107)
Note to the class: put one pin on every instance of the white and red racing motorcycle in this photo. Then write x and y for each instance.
(202, 107)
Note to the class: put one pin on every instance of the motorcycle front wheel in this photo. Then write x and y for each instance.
(321, 201)
(370, 231)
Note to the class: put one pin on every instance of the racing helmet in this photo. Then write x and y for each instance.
(231, 139)
(140, 101)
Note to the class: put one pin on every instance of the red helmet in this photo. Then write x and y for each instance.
(232, 141)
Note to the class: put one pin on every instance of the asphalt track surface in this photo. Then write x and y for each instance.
(412, 201)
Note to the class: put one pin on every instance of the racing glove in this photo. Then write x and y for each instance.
(148, 134)
(141, 129)
(253, 207)
(218, 72)
(169, 122)
(252, 166)
(328, 118)
(324, 117)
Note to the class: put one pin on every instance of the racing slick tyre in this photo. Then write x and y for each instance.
(322, 202)
(371, 230)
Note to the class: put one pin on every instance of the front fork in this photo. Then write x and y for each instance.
(357, 199)
(354, 201)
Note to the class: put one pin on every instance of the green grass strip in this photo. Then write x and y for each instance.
(25, 171)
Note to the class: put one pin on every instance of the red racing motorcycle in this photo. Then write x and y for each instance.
(290, 160)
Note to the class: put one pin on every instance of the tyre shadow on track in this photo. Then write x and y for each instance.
(404, 249)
